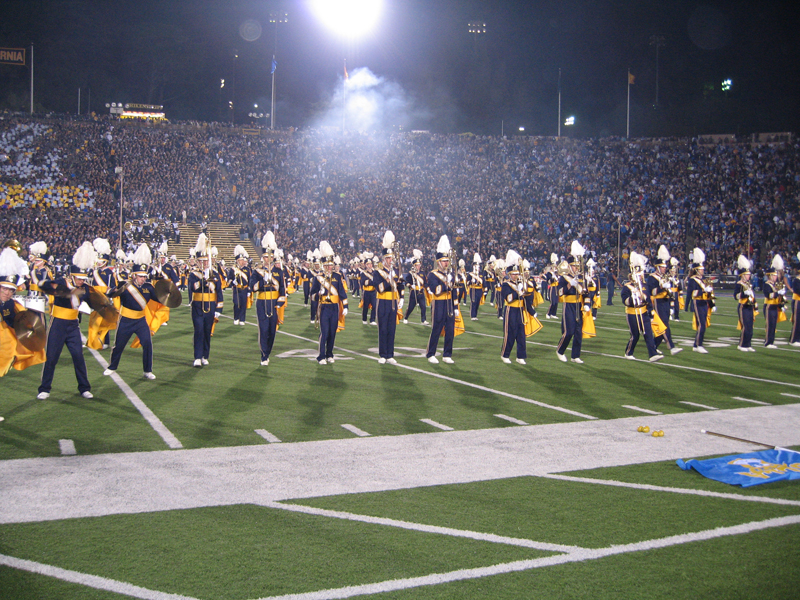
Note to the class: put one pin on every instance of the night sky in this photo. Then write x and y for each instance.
(430, 72)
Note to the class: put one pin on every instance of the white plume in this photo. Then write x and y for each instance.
(11, 264)
(325, 249)
(553, 258)
(129, 257)
(101, 246)
(461, 262)
(417, 254)
(743, 263)
(368, 255)
(477, 258)
(38, 248)
(309, 255)
(512, 259)
(663, 253)
(673, 261)
(85, 257)
(388, 239)
(201, 247)
(576, 249)
(526, 265)
(214, 251)
(590, 263)
(698, 256)
(163, 248)
(268, 242)
(240, 251)
(443, 247)
(278, 253)
(637, 260)
(777, 262)
(499, 264)
(142, 256)
(120, 256)
(492, 258)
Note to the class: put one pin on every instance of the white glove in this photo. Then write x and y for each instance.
(217, 315)
(709, 289)
(344, 312)
(714, 309)
(749, 293)
(400, 304)
(457, 312)
(782, 292)
(520, 288)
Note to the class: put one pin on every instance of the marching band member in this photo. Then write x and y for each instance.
(169, 269)
(475, 284)
(134, 296)
(389, 290)
(775, 297)
(675, 288)
(103, 279)
(513, 292)
(461, 282)
(205, 288)
(592, 287)
(239, 276)
(40, 270)
(13, 271)
(746, 307)
(635, 299)
(443, 304)
(701, 295)
(269, 287)
(416, 288)
(571, 293)
(330, 289)
(552, 278)
(500, 277)
(305, 276)
(368, 294)
(316, 270)
(794, 339)
(658, 288)
(64, 325)
(489, 279)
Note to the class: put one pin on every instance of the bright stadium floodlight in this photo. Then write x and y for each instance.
(726, 85)
(569, 121)
(348, 18)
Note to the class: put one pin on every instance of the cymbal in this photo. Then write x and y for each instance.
(168, 293)
(101, 303)
(30, 330)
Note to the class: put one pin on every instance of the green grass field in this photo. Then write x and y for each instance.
(521, 537)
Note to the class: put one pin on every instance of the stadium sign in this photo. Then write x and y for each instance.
(12, 56)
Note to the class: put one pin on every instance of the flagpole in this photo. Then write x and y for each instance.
(344, 94)
(628, 127)
(272, 108)
(559, 103)
(31, 78)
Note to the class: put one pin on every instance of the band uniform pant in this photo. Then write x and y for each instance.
(700, 308)
(475, 296)
(126, 329)
(267, 315)
(417, 298)
(202, 323)
(64, 332)
(641, 325)
(369, 299)
(328, 322)
(306, 292)
(571, 329)
(771, 316)
(240, 303)
(552, 292)
(387, 325)
(514, 332)
(444, 319)
(746, 317)
(663, 308)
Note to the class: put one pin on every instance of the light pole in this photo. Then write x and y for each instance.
(118, 171)
(275, 18)
(658, 42)
(232, 103)
(476, 28)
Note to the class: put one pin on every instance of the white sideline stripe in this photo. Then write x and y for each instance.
(473, 535)
(581, 555)
(356, 430)
(512, 419)
(755, 401)
(267, 436)
(438, 425)
(93, 581)
(644, 410)
(790, 395)
(698, 405)
(149, 416)
(67, 447)
(453, 380)
(659, 488)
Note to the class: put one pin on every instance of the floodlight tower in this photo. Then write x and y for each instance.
(276, 18)
(476, 28)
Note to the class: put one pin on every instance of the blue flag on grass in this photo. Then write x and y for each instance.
(749, 469)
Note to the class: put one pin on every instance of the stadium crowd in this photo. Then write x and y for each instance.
(59, 183)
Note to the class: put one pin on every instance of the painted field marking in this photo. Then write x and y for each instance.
(67, 447)
(512, 419)
(356, 430)
(754, 401)
(267, 436)
(149, 416)
(92, 581)
(437, 425)
(457, 381)
(581, 555)
(643, 410)
(474, 535)
(790, 395)
(698, 405)
(673, 490)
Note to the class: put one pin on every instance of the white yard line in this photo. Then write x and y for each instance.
(753, 401)
(67, 447)
(267, 436)
(355, 430)
(511, 419)
(790, 395)
(697, 405)
(474, 535)
(433, 423)
(149, 416)
(642, 410)
(659, 488)
(92, 581)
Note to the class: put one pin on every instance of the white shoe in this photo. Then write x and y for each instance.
(105, 347)
(88, 395)
(323, 361)
(742, 348)
(242, 323)
(632, 357)
(448, 360)
(43, 396)
(659, 352)
(521, 361)
(264, 363)
(109, 372)
(381, 361)
(364, 322)
(149, 376)
(751, 349)
(330, 360)
(795, 344)
(594, 318)
(431, 359)
(675, 350)
(373, 323)
(561, 357)
(425, 323)
(656, 357)
(505, 360)
(197, 363)
(405, 321)
(312, 321)
(473, 318)
(391, 361)
(165, 324)
(699, 349)
(771, 346)
(235, 322)
(577, 360)
(204, 361)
